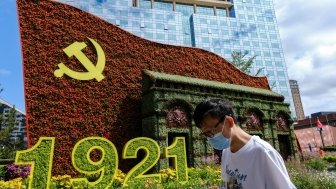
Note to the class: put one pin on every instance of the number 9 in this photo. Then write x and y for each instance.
(107, 166)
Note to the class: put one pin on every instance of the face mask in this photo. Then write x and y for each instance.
(219, 142)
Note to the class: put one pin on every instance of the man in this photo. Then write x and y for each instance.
(247, 161)
(321, 152)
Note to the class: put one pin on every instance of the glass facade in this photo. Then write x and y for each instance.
(246, 25)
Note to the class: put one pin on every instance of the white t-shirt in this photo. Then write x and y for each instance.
(257, 165)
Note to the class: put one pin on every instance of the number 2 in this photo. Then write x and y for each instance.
(152, 150)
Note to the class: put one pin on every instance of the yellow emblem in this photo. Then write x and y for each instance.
(93, 72)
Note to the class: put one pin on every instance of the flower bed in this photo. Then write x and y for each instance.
(205, 177)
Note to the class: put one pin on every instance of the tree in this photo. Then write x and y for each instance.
(7, 126)
(238, 59)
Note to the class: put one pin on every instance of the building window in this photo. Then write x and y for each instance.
(250, 17)
(160, 36)
(278, 63)
(277, 54)
(100, 1)
(232, 12)
(145, 4)
(268, 63)
(270, 72)
(185, 9)
(124, 23)
(135, 13)
(273, 37)
(205, 10)
(163, 5)
(281, 73)
(221, 12)
(275, 45)
(267, 54)
(283, 83)
(172, 37)
(264, 44)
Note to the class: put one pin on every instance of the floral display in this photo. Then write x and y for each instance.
(16, 171)
(177, 117)
(281, 123)
(253, 122)
(71, 109)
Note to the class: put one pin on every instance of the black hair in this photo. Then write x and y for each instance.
(217, 108)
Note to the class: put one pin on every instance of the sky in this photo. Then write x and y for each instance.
(307, 31)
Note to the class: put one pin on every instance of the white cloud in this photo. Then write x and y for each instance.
(327, 51)
(300, 67)
(309, 42)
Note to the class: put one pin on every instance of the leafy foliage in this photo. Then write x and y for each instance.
(2, 172)
(305, 177)
(317, 164)
(239, 60)
(329, 148)
(330, 158)
(8, 146)
(5, 131)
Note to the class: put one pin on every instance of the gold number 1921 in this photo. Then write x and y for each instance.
(40, 158)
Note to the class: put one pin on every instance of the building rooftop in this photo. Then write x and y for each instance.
(11, 106)
(327, 119)
(211, 84)
(317, 114)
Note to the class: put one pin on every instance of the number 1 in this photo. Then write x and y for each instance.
(40, 158)
(177, 150)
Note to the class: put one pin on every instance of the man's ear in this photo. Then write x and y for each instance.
(229, 121)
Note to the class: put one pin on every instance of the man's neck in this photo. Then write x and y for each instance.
(239, 139)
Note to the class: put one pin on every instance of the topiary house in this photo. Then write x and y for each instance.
(168, 102)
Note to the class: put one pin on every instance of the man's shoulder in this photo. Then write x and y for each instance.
(260, 144)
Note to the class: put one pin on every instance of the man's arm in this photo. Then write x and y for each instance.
(276, 174)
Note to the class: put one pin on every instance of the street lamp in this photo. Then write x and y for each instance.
(320, 130)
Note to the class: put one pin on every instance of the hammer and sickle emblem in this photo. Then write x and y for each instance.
(93, 72)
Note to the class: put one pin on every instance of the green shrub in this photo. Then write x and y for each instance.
(317, 164)
(330, 158)
(330, 148)
(304, 176)
(7, 153)
(2, 172)
(6, 161)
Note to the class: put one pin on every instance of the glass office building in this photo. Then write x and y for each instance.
(219, 26)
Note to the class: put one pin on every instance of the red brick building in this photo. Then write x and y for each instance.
(308, 135)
